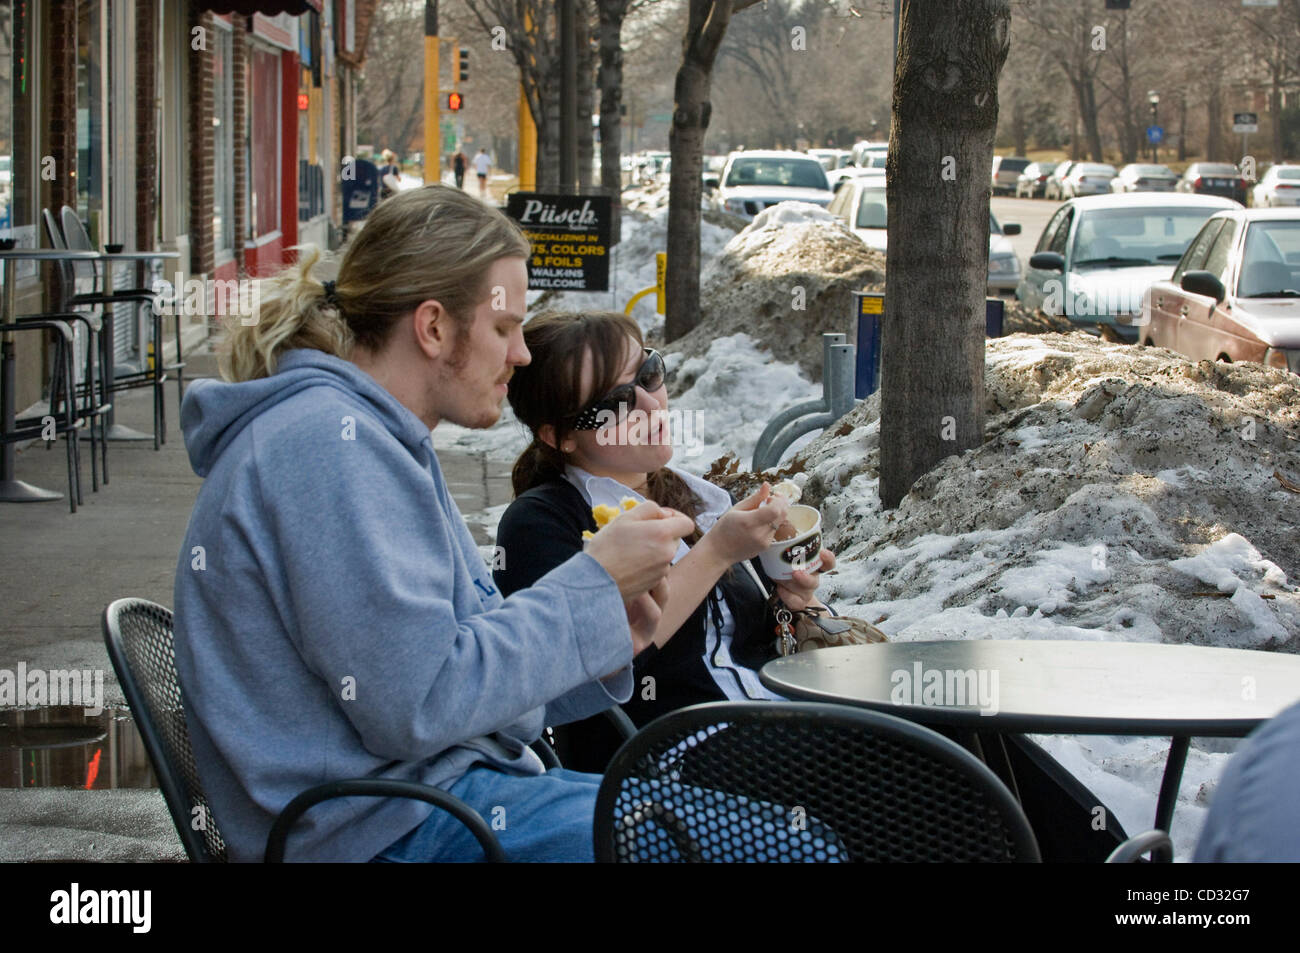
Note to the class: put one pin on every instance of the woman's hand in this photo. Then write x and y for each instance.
(799, 591)
(643, 615)
(748, 528)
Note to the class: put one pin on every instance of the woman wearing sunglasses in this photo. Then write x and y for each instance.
(595, 402)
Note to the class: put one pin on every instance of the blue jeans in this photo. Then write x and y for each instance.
(536, 819)
(550, 818)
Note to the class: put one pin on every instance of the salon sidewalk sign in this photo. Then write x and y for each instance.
(570, 237)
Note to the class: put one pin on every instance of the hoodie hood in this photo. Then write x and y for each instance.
(215, 412)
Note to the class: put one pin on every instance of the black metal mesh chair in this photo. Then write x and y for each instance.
(789, 781)
(141, 645)
(154, 375)
(62, 416)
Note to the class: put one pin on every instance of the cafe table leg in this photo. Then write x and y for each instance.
(1172, 779)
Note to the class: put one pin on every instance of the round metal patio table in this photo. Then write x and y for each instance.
(1055, 687)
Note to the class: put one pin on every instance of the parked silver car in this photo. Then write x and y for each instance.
(1087, 178)
(1136, 177)
(1098, 255)
(1033, 181)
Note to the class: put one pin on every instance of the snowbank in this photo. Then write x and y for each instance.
(1121, 494)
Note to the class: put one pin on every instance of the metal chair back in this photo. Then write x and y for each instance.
(67, 287)
(141, 646)
(78, 239)
(878, 788)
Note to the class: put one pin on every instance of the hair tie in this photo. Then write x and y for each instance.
(331, 296)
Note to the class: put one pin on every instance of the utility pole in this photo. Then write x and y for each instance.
(432, 136)
(527, 131)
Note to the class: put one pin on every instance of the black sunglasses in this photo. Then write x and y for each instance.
(649, 377)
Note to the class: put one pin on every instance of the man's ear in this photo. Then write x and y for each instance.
(433, 330)
(546, 434)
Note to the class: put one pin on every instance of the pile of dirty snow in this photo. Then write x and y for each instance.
(786, 279)
(1122, 494)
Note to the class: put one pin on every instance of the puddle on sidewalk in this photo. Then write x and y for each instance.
(63, 747)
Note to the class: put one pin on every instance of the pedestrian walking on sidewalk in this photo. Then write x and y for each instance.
(458, 163)
(482, 165)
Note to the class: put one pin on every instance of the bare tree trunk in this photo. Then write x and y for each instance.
(1182, 128)
(945, 116)
(1214, 118)
(1019, 128)
(548, 136)
(706, 25)
(611, 13)
(586, 97)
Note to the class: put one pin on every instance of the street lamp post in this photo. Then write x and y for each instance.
(1154, 99)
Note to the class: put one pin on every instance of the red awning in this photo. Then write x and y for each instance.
(268, 8)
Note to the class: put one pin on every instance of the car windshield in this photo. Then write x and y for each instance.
(4, 163)
(1094, 170)
(795, 173)
(1216, 169)
(1120, 237)
(1149, 170)
(1281, 173)
(1012, 165)
(1044, 168)
(1271, 260)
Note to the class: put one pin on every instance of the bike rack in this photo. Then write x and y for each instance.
(838, 374)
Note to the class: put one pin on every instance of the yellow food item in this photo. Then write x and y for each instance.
(604, 514)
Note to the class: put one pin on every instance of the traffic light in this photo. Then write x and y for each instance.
(464, 64)
(455, 101)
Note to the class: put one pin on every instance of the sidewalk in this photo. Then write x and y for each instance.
(58, 570)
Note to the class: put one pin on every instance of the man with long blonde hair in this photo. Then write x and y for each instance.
(341, 622)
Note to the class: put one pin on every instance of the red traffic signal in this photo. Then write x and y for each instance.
(455, 101)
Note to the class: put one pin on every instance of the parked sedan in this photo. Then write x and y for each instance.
(1087, 178)
(1006, 173)
(1214, 178)
(1136, 177)
(861, 205)
(755, 180)
(1033, 181)
(1235, 295)
(1280, 186)
(1052, 187)
(1097, 256)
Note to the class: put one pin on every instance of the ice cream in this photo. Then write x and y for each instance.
(789, 490)
(605, 514)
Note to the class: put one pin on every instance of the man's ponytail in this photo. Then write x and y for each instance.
(292, 310)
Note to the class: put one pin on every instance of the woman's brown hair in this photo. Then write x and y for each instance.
(548, 390)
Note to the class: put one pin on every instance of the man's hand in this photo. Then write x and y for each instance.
(638, 547)
(800, 590)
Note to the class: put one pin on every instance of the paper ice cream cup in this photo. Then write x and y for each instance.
(802, 553)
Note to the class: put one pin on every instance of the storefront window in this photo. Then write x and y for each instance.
(223, 212)
(264, 84)
(16, 176)
(90, 111)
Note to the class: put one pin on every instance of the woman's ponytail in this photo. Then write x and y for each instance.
(538, 464)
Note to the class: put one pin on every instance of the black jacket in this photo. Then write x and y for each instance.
(542, 529)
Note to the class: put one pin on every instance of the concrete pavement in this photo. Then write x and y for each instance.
(59, 570)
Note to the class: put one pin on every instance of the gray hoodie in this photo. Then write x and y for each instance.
(334, 618)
